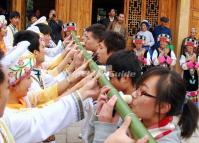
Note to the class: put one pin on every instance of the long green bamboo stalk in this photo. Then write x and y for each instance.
(137, 128)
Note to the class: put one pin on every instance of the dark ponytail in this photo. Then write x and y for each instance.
(189, 119)
(171, 89)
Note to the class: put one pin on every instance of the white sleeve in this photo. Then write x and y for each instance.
(183, 62)
(52, 44)
(37, 124)
(155, 58)
(173, 57)
(139, 33)
(51, 52)
(48, 79)
(152, 42)
(61, 76)
(8, 39)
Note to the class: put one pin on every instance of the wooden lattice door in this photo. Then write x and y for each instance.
(139, 10)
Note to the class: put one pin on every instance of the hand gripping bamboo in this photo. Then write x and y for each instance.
(137, 128)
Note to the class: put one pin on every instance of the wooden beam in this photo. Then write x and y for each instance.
(194, 16)
(20, 6)
(126, 11)
(143, 15)
(62, 8)
(182, 26)
(78, 11)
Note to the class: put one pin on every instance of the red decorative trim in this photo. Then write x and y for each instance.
(162, 123)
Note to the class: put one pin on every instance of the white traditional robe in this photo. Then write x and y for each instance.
(37, 124)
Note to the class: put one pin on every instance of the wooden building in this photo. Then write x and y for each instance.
(183, 14)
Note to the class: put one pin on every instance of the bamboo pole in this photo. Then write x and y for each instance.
(137, 128)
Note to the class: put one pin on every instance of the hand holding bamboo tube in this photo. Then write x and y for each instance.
(137, 128)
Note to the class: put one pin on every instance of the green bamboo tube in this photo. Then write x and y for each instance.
(137, 128)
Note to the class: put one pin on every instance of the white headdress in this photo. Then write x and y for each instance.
(3, 20)
(35, 29)
(40, 20)
(16, 53)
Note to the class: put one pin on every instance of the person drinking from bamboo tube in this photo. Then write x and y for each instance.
(38, 95)
(159, 101)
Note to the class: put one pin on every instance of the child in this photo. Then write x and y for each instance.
(68, 27)
(166, 56)
(189, 62)
(144, 56)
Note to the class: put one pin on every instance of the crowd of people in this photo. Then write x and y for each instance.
(46, 83)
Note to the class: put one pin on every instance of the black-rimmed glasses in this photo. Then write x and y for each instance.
(141, 93)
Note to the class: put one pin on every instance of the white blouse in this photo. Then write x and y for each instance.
(149, 37)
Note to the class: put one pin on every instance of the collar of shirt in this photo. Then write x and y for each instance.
(13, 28)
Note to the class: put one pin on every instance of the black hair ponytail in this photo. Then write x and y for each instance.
(189, 119)
(171, 89)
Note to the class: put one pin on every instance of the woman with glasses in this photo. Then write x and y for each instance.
(159, 101)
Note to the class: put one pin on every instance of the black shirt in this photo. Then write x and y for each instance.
(56, 28)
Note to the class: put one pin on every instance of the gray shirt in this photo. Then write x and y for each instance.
(99, 131)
